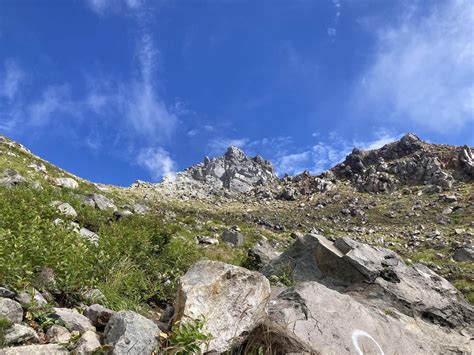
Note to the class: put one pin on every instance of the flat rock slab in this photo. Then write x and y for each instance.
(312, 318)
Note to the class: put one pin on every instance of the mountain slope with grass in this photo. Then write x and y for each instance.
(69, 243)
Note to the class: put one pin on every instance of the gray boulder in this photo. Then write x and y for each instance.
(66, 182)
(311, 318)
(11, 310)
(11, 178)
(58, 334)
(230, 299)
(262, 253)
(102, 203)
(465, 253)
(131, 334)
(98, 315)
(47, 349)
(31, 297)
(466, 158)
(73, 320)
(66, 209)
(90, 235)
(20, 334)
(233, 237)
(87, 343)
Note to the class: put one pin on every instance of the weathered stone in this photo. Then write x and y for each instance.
(11, 178)
(465, 253)
(98, 315)
(206, 240)
(230, 299)
(102, 202)
(73, 320)
(31, 297)
(263, 253)
(67, 210)
(66, 182)
(11, 310)
(45, 279)
(90, 235)
(233, 237)
(20, 334)
(7, 292)
(87, 343)
(47, 349)
(131, 334)
(311, 318)
(58, 334)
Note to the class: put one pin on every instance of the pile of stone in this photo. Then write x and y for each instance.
(70, 331)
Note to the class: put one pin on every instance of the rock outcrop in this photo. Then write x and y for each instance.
(376, 276)
(407, 161)
(232, 173)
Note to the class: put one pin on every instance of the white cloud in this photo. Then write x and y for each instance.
(101, 7)
(158, 162)
(145, 110)
(378, 142)
(326, 153)
(293, 163)
(423, 70)
(54, 103)
(13, 76)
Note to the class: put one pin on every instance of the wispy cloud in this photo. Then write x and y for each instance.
(158, 162)
(102, 7)
(423, 69)
(326, 153)
(13, 76)
(54, 103)
(145, 110)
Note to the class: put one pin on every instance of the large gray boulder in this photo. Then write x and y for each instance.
(11, 310)
(229, 298)
(376, 276)
(132, 334)
(311, 318)
(20, 334)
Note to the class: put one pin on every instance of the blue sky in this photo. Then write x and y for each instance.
(119, 90)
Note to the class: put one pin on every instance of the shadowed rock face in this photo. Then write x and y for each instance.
(233, 171)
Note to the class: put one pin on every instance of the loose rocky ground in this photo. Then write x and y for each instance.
(117, 256)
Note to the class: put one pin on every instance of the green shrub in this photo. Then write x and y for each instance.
(188, 338)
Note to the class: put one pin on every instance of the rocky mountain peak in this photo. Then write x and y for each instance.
(234, 171)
